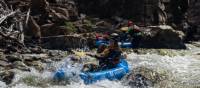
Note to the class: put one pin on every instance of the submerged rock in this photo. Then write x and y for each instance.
(7, 76)
(143, 77)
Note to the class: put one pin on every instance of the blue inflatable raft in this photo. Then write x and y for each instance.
(91, 77)
(122, 45)
(110, 74)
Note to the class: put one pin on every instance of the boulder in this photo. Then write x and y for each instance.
(37, 64)
(162, 37)
(4, 63)
(7, 76)
(142, 77)
(63, 11)
(65, 41)
(57, 30)
(34, 57)
(3, 57)
(20, 65)
(139, 10)
(12, 58)
(194, 18)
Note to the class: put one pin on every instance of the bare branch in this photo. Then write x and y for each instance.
(6, 16)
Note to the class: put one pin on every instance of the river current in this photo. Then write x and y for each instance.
(180, 70)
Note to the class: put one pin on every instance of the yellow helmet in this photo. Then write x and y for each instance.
(124, 29)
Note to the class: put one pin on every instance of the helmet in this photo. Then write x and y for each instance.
(130, 23)
(97, 36)
(114, 34)
(125, 29)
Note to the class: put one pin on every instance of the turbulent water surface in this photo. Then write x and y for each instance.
(182, 70)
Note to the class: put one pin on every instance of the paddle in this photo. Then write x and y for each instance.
(80, 54)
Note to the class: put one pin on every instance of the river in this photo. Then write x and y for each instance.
(175, 68)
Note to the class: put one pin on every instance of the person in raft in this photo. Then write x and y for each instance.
(135, 32)
(108, 58)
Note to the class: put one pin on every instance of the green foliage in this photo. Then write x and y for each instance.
(87, 24)
(70, 27)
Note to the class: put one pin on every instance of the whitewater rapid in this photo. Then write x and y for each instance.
(183, 72)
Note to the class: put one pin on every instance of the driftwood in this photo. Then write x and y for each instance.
(11, 38)
(11, 26)
(22, 20)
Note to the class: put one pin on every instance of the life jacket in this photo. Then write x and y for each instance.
(110, 60)
(113, 54)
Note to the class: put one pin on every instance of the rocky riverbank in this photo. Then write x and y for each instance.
(25, 61)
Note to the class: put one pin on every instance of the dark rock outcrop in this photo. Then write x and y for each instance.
(109, 8)
(142, 11)
(163, 37)
(69, 41)
(194, 19)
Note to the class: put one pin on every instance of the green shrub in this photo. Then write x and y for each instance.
(70, 27)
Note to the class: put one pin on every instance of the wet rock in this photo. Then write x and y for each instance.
(197, 44)
(25, 51)
(163, 37)
(29, 58)
(11, 49)
(20, 65)
(3, 57)
(7, 76)
(144, 77)
(4, 63)
(37, 50)
(139, 81)
(12, 58)
(34, 57)
(37, 64)
(46, 61)
(64, 11)
(56, 59)
(53, 53)
(2, 68)
(57, 53)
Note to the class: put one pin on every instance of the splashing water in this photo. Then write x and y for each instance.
(182, 71)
